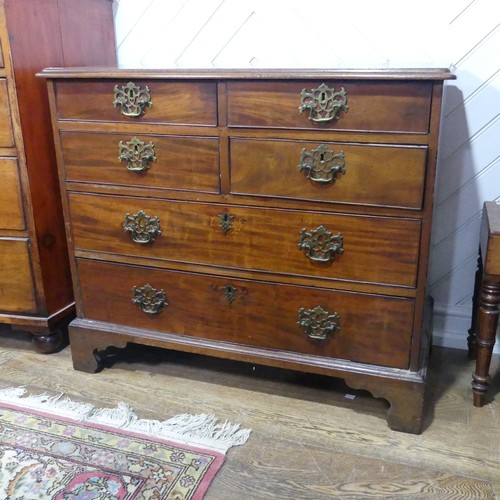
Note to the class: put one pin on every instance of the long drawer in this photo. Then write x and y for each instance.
(357, 327)
(179, 103)
(168, 162)
(351, 173)
(334, 246)
(399, 107)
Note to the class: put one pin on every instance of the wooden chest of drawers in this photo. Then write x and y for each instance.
(276, 217)
(36, 292)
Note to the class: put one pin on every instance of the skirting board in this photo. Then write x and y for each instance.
(451, 327)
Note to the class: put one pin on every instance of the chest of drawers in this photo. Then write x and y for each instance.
(35, 284)
(275, 217)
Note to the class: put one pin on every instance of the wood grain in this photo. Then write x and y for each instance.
(11, 204)
(16, 277)
(182, 163)
(373, 329)
(190, 103)
(378, 250)
(373, 106)
(374, 175)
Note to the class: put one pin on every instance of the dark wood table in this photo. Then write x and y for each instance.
(485, 302)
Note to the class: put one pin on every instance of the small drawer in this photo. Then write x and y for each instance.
(146, 101)
(316, 244)
(362, 328)
(11, 205)
(17, 289)
(391, 176)
(6, 136)
(374, 106)
(169, 162)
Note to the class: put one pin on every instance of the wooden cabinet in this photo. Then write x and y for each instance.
(35, 283)
(275, 217)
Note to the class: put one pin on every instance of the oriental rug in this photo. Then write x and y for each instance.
(55, 448)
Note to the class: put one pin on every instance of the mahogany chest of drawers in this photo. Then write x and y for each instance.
(36, 292)
(275, 217)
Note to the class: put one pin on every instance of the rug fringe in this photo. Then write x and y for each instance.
(202, 429)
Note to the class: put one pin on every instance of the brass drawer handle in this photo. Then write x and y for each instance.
(132, 99)
(136, 154)
(142, 228)
(149, 299)
(321, 244)
(322, 165)
(318, 323)
(323, 103)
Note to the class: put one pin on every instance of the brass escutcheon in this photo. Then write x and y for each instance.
(142, 228)
(132, 99)
(149, 299)
(323, 103)
(320, 244)
(322, 165)
(136, 154)
(318, 323)
(225, 221)
(230, 293)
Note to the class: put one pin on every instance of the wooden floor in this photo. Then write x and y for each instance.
(310, 439)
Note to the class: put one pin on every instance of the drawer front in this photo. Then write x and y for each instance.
(363, 328)
(6, 137)
(372, 106)
(17, 292)
(375, 249)
(11, 206)
(333, 172)
(170, 162)
(179, 103)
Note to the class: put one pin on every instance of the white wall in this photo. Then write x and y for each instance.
(462, 34)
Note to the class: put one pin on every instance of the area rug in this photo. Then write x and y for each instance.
(55, 448)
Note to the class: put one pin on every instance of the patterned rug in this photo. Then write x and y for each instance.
(55, 448)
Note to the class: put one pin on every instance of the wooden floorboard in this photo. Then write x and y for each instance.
(312, 436)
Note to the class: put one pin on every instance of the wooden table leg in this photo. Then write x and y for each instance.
(476, 299)
(487, 326)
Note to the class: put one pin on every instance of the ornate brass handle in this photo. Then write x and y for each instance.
(318, 323)
(321, 244)
(142, 228)
(136, 154)
(132, 99)
(322, 165)
(149, 299)
(323, 103)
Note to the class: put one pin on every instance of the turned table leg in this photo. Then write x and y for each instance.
(476, 299)
(487, 325)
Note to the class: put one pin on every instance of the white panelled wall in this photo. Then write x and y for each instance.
(461, 34)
